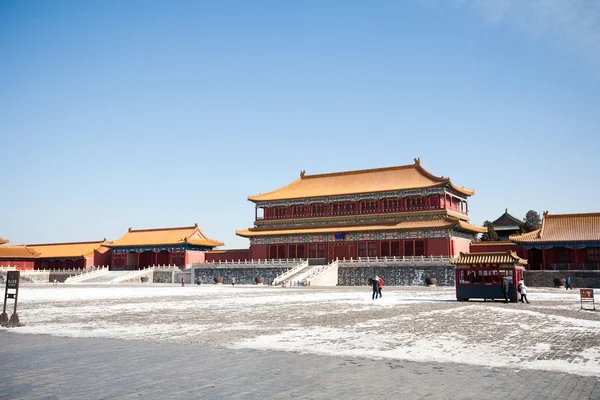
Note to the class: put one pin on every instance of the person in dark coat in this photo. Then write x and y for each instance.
(505, 289)
(375, 284)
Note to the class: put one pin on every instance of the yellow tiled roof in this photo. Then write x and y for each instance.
(403, 225)
(564, 228)
(17, 252)
(363, 181)
(505, 257)
(164, 236)
(66, 250)
(470, 227)
(3, 241)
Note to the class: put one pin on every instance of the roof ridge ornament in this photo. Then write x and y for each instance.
(302, 173)
(418, 161)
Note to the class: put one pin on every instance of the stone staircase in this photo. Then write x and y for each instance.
(135, 276)
(102, 277)
(287, 276)
(96, 272)
(323, 275)
(302, 274)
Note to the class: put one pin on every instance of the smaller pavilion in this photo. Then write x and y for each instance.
(140, 248)
(507, 225)
(564, 242)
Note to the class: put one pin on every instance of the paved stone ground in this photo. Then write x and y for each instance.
(43, 367)
(186, 345)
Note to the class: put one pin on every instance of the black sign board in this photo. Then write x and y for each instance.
(12, 283)
(12, 279)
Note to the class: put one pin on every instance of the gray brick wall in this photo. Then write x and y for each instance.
(396, 275)
(581, 279)
(243, 276)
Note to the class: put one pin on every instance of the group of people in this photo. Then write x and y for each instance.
(377, 284)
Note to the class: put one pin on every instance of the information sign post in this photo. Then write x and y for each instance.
(11, 292)
(587, 296)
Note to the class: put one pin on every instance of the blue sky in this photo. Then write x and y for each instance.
(145, 114)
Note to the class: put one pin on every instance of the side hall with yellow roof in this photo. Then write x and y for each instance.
(71, 255)
(564, 242)
(394, 211)
(139, 248)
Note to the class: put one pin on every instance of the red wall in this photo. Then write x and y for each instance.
(228, 255)
(460, 245)
(21, 265)
(437, 247)
(259, 251)
(481, 247)
(102, 259)
(194, 257)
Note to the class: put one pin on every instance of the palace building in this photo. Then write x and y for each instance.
(384, 212)
(140, 248)
(564, 242)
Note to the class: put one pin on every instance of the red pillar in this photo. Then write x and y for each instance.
(170, 257)
(543, 258)
(138, 260)
(155, 257)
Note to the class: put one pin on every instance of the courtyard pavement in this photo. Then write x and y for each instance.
(250, 342)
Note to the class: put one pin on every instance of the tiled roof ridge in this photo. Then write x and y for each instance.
(594, 214)
(163, 229)
(510, 216)
(364, 171)
(490, 253)
(493, 243)
(60, 244)
(526, 235)
(295, 182)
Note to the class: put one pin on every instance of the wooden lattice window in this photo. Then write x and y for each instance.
(298, 210)
(319, 209)
(368, 205)
(362, 249)
(280, 211)
(414, 248)
(391, 204)
(593, 254)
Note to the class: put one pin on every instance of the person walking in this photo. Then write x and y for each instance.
(233, 282)
(568, 283)
(375, 284)
(380, 286)
(523, 290)
(505, 289)
(182, 281)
